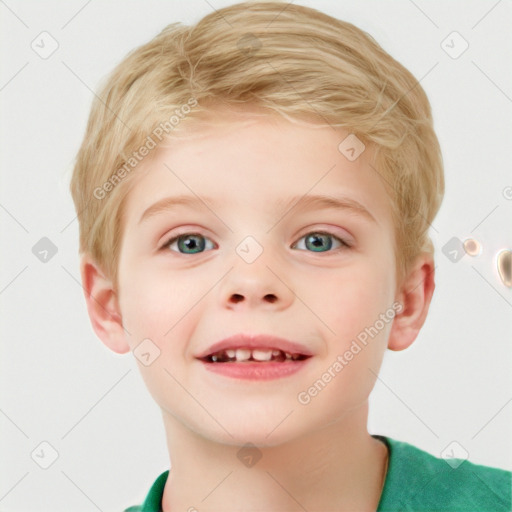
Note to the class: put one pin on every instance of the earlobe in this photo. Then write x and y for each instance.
(102, 306)
(415, 295)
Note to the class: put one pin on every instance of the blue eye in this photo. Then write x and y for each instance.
(189, 243)
(194, 243)
(320, 242)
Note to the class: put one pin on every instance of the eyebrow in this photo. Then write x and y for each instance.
(306, 202)
(310, 202)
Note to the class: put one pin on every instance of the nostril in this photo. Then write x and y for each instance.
(236, 297)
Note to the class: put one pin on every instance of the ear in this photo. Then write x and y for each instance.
(102, 306)
(415, 294)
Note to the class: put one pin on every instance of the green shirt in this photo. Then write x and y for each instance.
(416, 481)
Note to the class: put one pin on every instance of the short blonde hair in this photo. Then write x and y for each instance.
(287, 59)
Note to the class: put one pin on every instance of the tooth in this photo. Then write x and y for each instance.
(262, 355)
(276, 352)
(243, 354)
(288, 356)
(230, 352)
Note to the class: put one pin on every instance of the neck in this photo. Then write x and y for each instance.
(339, 467)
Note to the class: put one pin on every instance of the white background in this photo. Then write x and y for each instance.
(59, 384)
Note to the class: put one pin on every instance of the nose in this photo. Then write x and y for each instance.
(256, 285)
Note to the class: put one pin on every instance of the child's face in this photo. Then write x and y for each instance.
(244, 179)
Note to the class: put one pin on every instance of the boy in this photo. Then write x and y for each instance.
(254, 195)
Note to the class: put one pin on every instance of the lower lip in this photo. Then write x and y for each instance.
(256, 371)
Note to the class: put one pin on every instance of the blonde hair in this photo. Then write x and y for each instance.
(287, 59)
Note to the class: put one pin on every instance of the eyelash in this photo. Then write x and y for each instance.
(344, 245)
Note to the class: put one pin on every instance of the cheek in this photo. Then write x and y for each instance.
(351, 303)
(156, 308)
(165, 308)
(355, 294)
(160, 317)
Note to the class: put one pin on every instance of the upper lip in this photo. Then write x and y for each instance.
(256, 341)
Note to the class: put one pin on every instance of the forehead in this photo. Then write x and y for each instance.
(260, 161)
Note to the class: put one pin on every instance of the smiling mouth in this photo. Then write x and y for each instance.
(247, 355)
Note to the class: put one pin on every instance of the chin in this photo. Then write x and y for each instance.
(260, 429)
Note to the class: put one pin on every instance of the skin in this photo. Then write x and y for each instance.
(318, 456)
